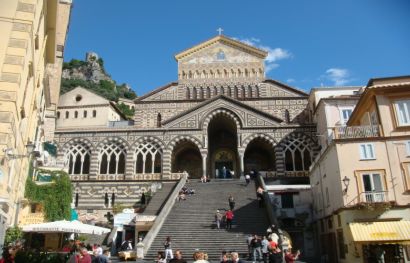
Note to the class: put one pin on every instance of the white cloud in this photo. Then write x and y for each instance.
(290, 80)
(339, 76)
(274, 54)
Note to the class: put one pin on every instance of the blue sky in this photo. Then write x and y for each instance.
(310, 43)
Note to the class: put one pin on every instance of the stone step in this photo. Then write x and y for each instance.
(191, 225)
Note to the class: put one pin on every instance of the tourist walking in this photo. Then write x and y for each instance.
(259, 196)
(247, 179)
(256, 246)
(231, 202)
(264, 248)
(168, 249)
(218, 219)
(229, 217)
(248, 242)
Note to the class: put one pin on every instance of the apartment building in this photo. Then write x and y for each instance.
(31, 55)
(360, 179)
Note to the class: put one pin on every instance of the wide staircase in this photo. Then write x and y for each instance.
(191, 226)
(155, 204)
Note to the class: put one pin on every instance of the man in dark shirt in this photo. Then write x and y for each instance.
(178, 258)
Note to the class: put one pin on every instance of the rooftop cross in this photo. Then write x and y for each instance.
(220, 31)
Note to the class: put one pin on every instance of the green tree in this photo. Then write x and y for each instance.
(55, 198)
(13, 234)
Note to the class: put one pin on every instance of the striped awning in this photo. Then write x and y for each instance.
(386, 232)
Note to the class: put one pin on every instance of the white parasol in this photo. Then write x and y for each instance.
(64, 226)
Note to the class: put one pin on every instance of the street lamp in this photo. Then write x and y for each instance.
(346, 182)
(10, 155)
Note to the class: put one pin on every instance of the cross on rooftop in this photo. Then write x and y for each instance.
(220, 31)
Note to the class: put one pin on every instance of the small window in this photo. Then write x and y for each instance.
(78, 98)
(76, 114)
(67, 114)
(403, 112)
(327, 197)
(85, 114)
(77, 197)
(367, 151)
(287, 200)
(408, 148)
(58, 115)
(94, 113)
(345, 115)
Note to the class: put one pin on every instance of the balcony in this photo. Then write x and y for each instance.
(374, 197)
(352, 132)
(107, 177)
(296, 173)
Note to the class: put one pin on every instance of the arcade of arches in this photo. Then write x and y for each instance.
(221, 159)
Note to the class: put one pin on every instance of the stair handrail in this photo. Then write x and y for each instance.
(160, 219)
(270, 210)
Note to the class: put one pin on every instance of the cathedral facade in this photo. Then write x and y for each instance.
(221, 119)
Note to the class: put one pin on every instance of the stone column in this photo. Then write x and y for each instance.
(129, 170)
(280, 161)
(204, 154)
(166, 164)
(94, 169)
(241, 153)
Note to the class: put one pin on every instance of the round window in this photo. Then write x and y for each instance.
(78, 98)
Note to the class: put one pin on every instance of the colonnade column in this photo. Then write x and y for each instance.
(204, 154)
(241, 153)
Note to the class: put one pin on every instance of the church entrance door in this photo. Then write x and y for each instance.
(222, 144)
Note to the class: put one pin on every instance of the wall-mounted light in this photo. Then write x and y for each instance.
(10, 155)
(346, 182)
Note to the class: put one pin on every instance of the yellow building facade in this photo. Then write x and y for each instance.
(33, 34)
(360, 181)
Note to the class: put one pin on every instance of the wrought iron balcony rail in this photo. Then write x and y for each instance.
(351, 132)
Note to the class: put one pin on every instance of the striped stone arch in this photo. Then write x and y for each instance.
(297, 142)
(177, 139)
(117, 140)
(148, 139)
(221, 111)
(262, 136)
(146, 155)
(299, 136)
(62, 150)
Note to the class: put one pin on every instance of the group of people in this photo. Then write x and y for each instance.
(184, 192)
(9, 252)
(227, 217)
(267, 249)
(81, 253)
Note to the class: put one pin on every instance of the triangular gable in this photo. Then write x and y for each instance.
(87, 98)
(226, 41)
(248, 116)
(167, 92)
(279, 89)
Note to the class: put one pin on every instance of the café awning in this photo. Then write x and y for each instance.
(385, 232)
(64, 226)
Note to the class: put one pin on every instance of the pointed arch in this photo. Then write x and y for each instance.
(298, 152)
(111, 156)
(78, 156)
(147, 156)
